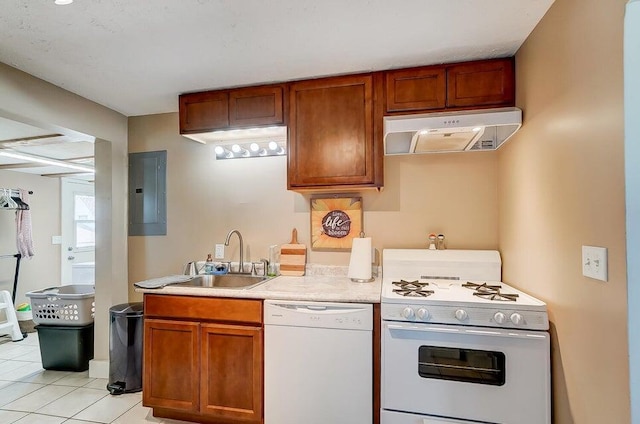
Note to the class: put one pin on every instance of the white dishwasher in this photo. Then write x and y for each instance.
(317, 362)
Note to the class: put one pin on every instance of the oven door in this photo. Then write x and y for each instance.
(467, 373)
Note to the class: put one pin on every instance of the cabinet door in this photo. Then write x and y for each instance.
(231, 385)
(207, 111)
(415, 89)
(256, 106)
(171, 365)
(331, 132)
(482, 83)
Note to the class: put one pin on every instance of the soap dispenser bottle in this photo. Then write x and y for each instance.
(208, 265)
(272, 270)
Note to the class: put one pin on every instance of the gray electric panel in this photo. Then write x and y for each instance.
(148, 193)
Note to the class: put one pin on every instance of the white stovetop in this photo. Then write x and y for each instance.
(452, 292)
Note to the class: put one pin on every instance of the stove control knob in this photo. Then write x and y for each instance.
(408, 313)
(461, 315)
(423, 314)
(517, 319)
(499, 318)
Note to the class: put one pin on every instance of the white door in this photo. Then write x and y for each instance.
(78, 232)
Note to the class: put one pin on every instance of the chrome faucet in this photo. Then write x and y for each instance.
(226, 243)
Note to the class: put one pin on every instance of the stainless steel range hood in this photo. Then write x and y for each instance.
(485, 129)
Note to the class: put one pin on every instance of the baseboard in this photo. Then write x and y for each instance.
(98, 368)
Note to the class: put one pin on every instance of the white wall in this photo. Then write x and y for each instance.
(561, 186)
(632, 159)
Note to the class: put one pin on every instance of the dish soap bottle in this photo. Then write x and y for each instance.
(208, 265)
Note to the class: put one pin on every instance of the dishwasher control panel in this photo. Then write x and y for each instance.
(348, 316)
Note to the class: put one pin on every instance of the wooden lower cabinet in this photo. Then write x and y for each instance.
(202, 370)
(232, 371)
(172, 364)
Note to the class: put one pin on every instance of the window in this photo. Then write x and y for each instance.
(84, 216)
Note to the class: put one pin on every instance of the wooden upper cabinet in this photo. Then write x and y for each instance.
(438, 88)
(416, 89)
(200, 112)
(230, 109)
(331, 134)
(256, 106)
(481, 83)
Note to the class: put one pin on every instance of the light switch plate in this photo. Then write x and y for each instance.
(56, 239)
(219, 254)
(594, 262)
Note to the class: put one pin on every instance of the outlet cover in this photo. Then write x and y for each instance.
(219, 254)
(594, 262)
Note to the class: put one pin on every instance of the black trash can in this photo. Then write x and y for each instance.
(64, 347)
(125, 348)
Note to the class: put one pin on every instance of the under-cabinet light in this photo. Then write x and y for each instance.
(47, 161)
(63, 2)
(223, 153)
(250, 149)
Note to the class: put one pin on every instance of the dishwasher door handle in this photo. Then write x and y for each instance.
(316, 308)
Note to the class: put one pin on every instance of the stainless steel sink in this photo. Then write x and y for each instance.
(226, 281)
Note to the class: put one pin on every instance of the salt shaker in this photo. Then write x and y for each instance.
(432, 241)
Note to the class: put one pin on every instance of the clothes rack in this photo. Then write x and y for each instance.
(14, 193)
(14, 198)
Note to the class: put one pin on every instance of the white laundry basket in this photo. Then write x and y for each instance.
(73, 304)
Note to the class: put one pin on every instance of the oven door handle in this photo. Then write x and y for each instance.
(425, 328)
(400, 327)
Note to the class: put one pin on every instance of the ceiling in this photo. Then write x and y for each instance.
(137, 56)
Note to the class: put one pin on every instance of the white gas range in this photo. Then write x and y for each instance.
(458, 345)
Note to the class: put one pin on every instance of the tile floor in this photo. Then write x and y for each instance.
(31, 395)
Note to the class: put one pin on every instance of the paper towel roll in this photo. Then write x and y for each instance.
(360, 261)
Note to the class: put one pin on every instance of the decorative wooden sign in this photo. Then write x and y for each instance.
(335, 221)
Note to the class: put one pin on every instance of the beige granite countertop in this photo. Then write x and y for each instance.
(322, 283)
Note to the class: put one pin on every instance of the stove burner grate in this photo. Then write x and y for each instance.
(410, 285)
(413, 293)
(496, 294)
(483, 286)
(411, 288)
(490, 292)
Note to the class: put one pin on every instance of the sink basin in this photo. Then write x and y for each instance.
(226, 281)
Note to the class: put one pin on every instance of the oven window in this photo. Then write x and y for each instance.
(468, 365)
